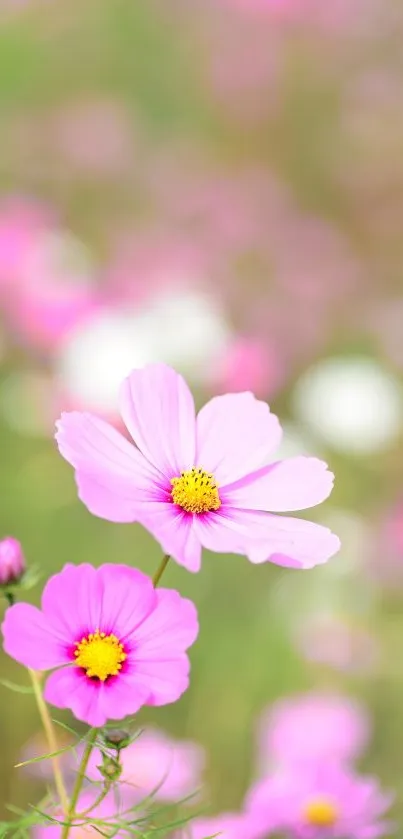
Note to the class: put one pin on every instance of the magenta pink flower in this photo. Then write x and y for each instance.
(199, 482)
(311, 727)
(156, 764)
(113, 641)
(324, 801)
(12, 561)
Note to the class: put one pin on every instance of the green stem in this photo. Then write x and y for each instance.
(9, 597)
(96, 803)
(51, 738)
(79, 782)
(160, 570)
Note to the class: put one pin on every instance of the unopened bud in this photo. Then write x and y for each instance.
(116, 738)
(110, 768)
(12, 562)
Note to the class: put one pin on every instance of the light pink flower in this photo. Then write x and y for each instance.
(324, 801)
(226, 825)
(205, 482)
(248, 364)
(310, 727)
(12, 561)
(113, 641)
(156, 764)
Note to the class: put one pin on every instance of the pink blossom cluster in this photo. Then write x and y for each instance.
(115, 642)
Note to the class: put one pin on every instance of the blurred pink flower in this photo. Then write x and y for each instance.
(310, 727)
(247, 364)
(74, 127)
(219, 504)
(337, 641)
(12, 561)
(324, 801)
(109, 810)
(114, 643)
(46, 286)
(226, 825)
(22, 221)
(156, 764)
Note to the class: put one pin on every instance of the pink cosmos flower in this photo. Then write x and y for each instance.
(324, 801)
(311, 727)
(226, 826)
(113, 641)
(198, 482)
(156, 764)
(12, 561)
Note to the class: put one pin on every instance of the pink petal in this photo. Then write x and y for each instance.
(165, 680)
(157, 408)
(236, 434)
(71, 601)
(293, 484)
(128, 597)
(175, 532)
(90, 701)
(70, 688)
(170, 629)
(113, 478)
(31, 639)
(290, 542)
(294, 543)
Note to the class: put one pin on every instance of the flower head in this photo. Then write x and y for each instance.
(311, 727)
(199, 482)
(324, 801)
(113, 641)
(12, 561)
(153, 764)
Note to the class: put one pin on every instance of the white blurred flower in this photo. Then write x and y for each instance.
(352, 403)
(185, 330)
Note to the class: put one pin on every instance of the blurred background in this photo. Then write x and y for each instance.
(217, 184)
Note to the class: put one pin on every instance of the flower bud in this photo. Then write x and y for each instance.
(116, 738)
(12, 561)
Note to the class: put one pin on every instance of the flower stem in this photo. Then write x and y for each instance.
(51, 738)
(160, 570)
(96, 803)
(79, 782)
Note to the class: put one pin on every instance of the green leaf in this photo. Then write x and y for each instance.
(15, 687)
(43, 757)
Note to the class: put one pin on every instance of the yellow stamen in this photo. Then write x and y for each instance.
(195, 491)
(320, 812)
(100, 655)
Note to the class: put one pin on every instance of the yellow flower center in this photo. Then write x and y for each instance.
(100, 655)
(195, 491)
(320, 813)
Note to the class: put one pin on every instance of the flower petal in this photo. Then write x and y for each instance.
(290, 542)
(90, 701)
(169, 630)
(158, 410)
(113, 477)
(166, 680)
(71, 601)
(128, 597)
(31, 639)
(236, 434)
(175, 531)
(293, 484)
